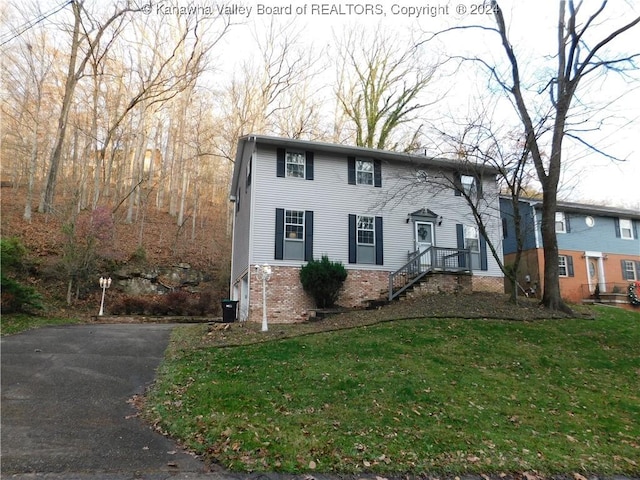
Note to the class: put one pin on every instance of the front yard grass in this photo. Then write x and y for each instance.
(436, 396)
(20, 322)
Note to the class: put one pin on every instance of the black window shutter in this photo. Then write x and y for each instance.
(567, 223)
(279, 253)
(637, 270)
(635, 228)
(460, 239)
(457, 184)
(483, 253)
(308, 235)
(353, 247)
(309, 165)
(616, 224)
(569, 265)
(351, 165)
(505, 229)
(280, 162)
(379, 241)
(377, 174)
(479, 186)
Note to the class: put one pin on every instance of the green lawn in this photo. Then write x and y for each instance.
(409, 396)
(414, 396)
(16, 323)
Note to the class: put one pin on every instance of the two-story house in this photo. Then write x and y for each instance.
(598, 246)
(377, 212)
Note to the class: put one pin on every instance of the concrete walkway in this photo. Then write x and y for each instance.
(65, 404)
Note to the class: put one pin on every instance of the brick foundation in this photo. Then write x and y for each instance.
(487, 284)
(287, 302)
(442, 283)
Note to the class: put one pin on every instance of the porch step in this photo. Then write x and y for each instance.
(615, 299)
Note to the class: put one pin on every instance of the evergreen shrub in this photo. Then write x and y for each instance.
(323, 279)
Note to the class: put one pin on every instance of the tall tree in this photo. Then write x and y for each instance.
(90, 37)
(578, 57)
(380, 82)
(586, 44)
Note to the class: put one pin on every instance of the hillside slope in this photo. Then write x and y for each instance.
(152, 239)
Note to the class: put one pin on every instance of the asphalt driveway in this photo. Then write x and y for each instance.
(65, 402)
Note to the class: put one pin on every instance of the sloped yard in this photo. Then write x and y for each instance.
(457, 390)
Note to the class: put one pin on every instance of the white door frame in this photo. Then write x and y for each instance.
(601, 278)
(422, 246)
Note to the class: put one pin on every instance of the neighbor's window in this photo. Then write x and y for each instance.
(629, 270)
(366, 239)
(364, 172)
(561, 223)
(471, 241)
(626, 230)
(562, 266)
(294, 234)
(295, 162)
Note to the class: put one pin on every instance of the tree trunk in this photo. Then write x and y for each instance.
(46, 202)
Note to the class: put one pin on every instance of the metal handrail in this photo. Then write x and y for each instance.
(429, 260)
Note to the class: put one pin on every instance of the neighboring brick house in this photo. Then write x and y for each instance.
(598, 246)
(296, 200)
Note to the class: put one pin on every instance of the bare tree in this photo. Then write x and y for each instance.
(583, 51)
(380, 83)
(478, 145)
(90, 37)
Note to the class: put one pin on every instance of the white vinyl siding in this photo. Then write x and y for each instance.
(332, 199)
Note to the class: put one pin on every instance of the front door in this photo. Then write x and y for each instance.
(424, 240)
(595, 273)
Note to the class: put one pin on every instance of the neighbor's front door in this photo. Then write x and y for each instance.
(424, 240)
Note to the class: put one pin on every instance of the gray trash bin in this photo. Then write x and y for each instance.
(229, 309)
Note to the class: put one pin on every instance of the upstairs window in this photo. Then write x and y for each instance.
(626, 229)
(362, 171)
(561, 224)
(295, 164)
(468, 184)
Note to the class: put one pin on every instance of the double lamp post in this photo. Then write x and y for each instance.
(104, 284)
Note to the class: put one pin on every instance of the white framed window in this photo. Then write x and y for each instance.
(561, 223)
(366, 239)
(629, 270)
(294, 234)
(364, 172)
(626, 229)
(471, 239)
(562, 266)
(295, 164)
(469, 184)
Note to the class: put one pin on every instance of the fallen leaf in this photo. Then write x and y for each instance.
(312, 465)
